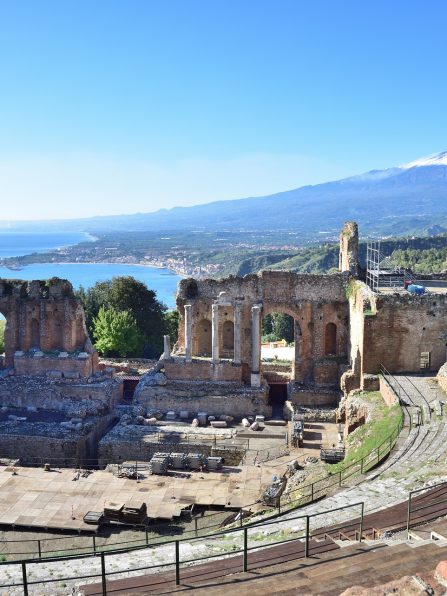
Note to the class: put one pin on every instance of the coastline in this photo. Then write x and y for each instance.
(146, 265)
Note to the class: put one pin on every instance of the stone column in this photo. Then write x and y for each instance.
(215, 332)
(237, 334)
(256, 345)
(167, 347)
(188, 333)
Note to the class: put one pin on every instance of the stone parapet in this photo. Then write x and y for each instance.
(62, 365)
(203, 370)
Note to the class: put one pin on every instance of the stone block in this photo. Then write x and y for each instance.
(63, 354)
(83, 356)
(71, 375)
(371, 383)
(202, 417)
(54, 374)
(38, 354)
(19, 354)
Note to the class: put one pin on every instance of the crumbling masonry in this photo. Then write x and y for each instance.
(343, 333)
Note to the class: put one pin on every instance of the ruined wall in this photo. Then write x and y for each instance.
(203, 396)
(116, 451)
(349, 248)
(37, 363)
(28, 447)
(316, 398)
(42, 316)
(389, 397)
(314, 301)
(203, 370)
(54, 444)
(400, 327)
(393, 330)
(74, 397)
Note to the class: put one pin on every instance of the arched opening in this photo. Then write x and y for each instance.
(202, 337)
(35, 334)
(330, 340)
(278, 337)
(228, 339)
(278, 332)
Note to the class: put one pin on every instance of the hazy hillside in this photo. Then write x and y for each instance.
(409, 199)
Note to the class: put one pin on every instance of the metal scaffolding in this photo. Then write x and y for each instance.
(380, 273)
(373, 264)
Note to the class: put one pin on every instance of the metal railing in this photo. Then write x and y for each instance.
(321, 487)
(302, 495)
(243, 535)
(421, 510)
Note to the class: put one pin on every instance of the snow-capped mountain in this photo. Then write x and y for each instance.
(438, 159)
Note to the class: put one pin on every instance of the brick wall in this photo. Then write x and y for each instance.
(30, 365)
(119, 451)
(203, 370)
(389, 397)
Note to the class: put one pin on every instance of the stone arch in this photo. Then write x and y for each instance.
(330, 339)
(202, 338)
(35, 334)
(228, 339)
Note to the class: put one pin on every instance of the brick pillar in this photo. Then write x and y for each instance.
(237, 334)
(256, 345)
(215, 332)
(188, 333)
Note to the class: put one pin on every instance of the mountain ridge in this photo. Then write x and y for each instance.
(402, 199)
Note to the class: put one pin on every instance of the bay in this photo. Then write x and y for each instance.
(162, 281)
(17, 244)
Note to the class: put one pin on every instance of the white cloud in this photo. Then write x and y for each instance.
(85, 185)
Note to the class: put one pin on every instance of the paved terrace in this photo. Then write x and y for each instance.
(33, 498)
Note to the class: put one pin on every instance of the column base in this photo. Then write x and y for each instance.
(255, 379)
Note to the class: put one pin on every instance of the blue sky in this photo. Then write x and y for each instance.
(118, 106)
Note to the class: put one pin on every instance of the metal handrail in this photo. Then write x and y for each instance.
(306, 536)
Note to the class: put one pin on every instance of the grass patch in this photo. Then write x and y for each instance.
(371, 435)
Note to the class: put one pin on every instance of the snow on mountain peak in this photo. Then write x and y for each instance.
(438, 159)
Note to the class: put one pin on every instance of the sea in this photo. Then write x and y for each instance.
(12, 244)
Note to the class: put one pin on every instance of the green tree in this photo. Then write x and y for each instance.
(283, 327)
(267, 327)
(2, 335)
(127, 294)
(116, 333)
(171, 321)
(277, 326)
